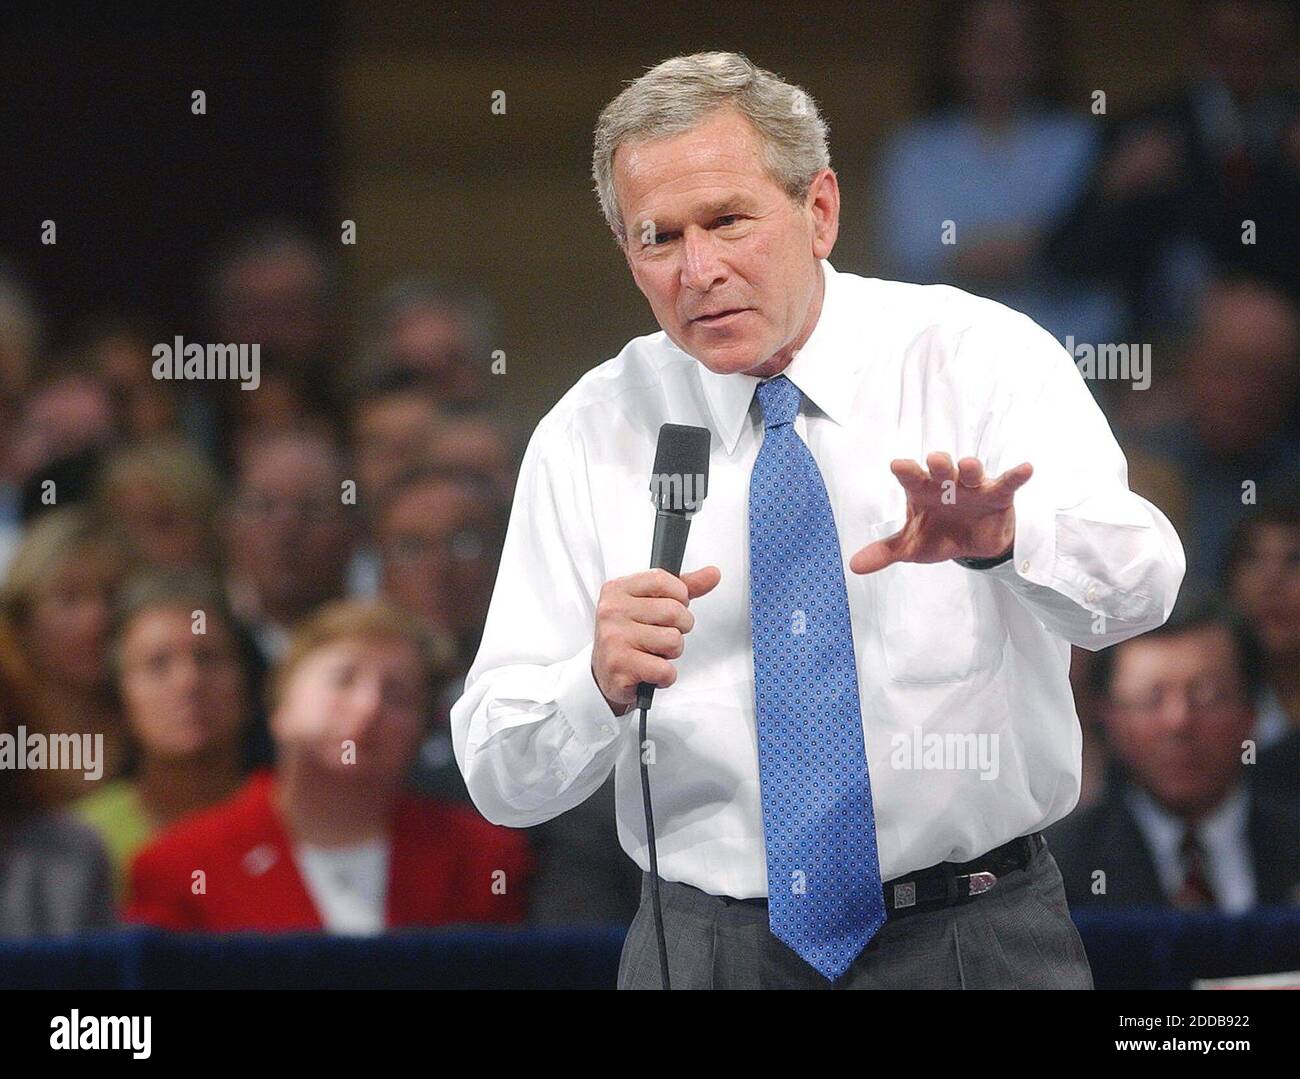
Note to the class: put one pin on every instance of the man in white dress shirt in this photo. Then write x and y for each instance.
(944, 427)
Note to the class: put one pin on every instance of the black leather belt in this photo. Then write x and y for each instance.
(950, 883)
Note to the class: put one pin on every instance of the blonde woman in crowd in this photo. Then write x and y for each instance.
(57, 596)
(164, 497)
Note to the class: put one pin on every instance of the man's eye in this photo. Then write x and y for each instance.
(728, 219)
(662, 238)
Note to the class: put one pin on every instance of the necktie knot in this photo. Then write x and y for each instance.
(779, 399)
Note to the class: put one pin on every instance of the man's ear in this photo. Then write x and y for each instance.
(824, 204)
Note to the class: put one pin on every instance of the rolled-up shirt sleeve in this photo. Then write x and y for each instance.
(532, 733)
(1094, 562)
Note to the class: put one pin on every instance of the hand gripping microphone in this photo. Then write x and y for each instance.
(678, 485)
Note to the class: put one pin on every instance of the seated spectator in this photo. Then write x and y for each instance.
(392, 420)
(439, 536)
(1263, 577)
(58, 599)
(185, 697)
(330, 840)
(1232, 426)
(478, 444)
(275, 286)
(54, 873)
(164, 497)
(120, 352)
(969, 194)
(20, 345)
(1181, 821)
(441, 335)
(289, 536)
(66, 423)
(1176, 183)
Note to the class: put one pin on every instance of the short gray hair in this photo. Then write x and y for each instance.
(674, 96)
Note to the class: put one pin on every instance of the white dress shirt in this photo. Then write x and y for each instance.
(1223, 834)
(890, 370)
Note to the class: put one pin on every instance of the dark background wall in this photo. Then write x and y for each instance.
(96, 109)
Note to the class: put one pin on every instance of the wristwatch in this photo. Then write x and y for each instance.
(987, 563)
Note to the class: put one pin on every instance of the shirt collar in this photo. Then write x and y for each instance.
(825, 369)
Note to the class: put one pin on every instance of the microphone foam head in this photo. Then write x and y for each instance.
(680, 480)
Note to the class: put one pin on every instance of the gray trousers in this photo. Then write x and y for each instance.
(1017, 935)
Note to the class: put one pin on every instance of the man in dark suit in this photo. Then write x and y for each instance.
(1206, 178)
(1184, 820)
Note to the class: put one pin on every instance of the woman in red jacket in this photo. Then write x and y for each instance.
(331, 840)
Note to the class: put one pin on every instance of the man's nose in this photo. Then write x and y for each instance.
(701, 266)
(1175, 712)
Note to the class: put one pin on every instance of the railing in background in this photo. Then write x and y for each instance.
(1137, 949)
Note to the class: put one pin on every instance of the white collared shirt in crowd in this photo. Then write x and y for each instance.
(968, 667)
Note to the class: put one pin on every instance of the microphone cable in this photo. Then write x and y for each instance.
(643, 703)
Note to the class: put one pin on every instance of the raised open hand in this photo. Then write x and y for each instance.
(952, 512)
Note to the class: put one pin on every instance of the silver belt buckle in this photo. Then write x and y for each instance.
(981, 882)
(905, 895)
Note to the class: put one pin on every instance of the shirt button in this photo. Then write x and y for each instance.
(606, 729)
(1091, 594)
(1024, 565)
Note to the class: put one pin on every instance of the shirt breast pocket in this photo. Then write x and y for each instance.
(937, 626)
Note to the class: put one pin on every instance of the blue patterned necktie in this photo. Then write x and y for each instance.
(825, 898)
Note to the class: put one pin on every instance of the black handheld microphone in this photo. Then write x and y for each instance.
(678, 484)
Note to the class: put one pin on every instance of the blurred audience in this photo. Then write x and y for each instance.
(289, 534)
(67, 423)
(480, 445)
(54, 874)
(121, 355)
(969, 194)
(393, 417)
(20, 345)
(341, 525)
(1178, 181)
(57, 597)
(164, 498)
(1231, 434)
(276, 287)
(443, 336)
(186, 700)
(439, 534)
(1182, 820)
(330, 839)
(1262, 574)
